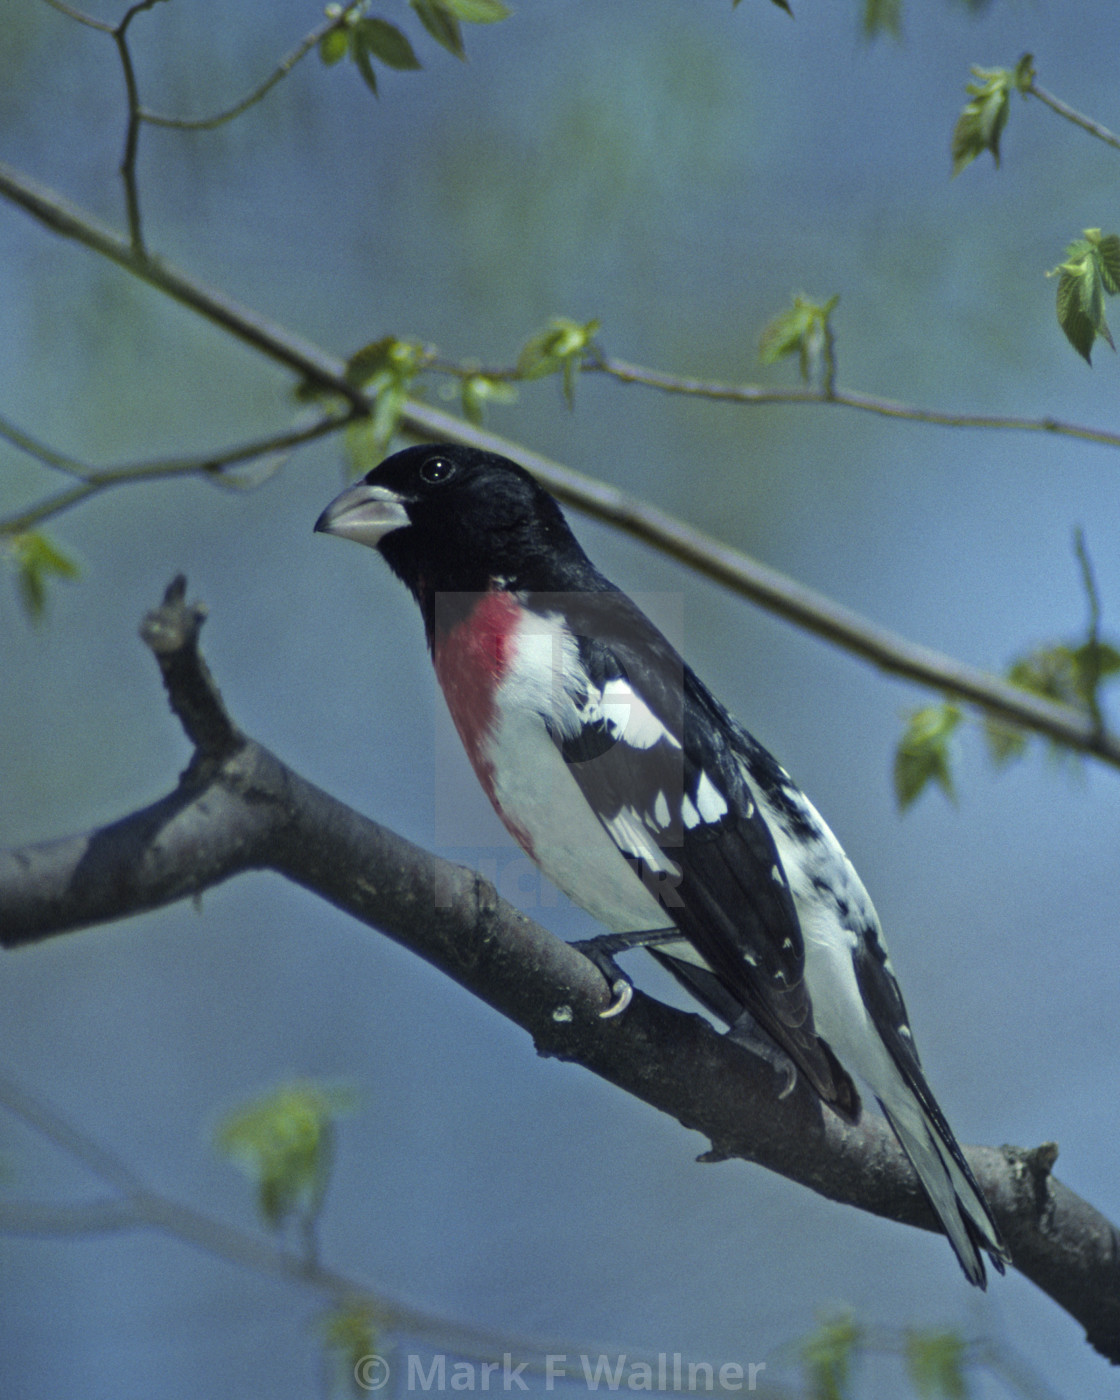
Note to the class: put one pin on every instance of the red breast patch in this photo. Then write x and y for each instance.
(472, 658)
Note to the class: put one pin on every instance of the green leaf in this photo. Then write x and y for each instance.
(982, 120)
(385, 369)
(558, 349)
(1091, 270)
(283, 1142)
(385, 41)
(1023, 74)
(1094, 660)
(1078, 327)
(371, 360)
(923, 754)
(1108, 251)
(803, 329)
(480, 389)
(38, 560)
(1067, 674)
(882, 17)
(1057, 672)
(826, 1356)
(935, 1361)
(333, 46)
(360, 54)
(389, 356)
(478, 11)
(441, 24)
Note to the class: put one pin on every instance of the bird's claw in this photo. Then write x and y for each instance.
(622, 994)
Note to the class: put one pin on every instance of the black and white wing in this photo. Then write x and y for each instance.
(653, 754)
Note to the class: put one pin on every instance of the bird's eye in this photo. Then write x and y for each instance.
(436, 470)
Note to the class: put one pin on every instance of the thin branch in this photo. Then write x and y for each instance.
(48, 456)
(93, 480)
(81, 17)
(767, 587)
(138, 1207)
(282, 69)
(132, 130)
(238, 808)
(845, 398)
(141, 1208)
(1093, 636)
(48, 1123)
(138, 115)
(58, 214)
(1055, 104)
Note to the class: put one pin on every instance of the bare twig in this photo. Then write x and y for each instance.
(138, 114)
(138, 1207)
(1093, 637)
(132, 130)
(81, 17)
(282, 69)
(93, 480)
(845, 398)
(1055, 104)
(135, 1206)
(48, 456)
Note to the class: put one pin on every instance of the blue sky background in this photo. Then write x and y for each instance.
(677, 170)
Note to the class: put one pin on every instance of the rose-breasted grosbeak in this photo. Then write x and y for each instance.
(635, 791)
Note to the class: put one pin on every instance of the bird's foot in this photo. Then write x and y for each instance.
(601, 952)
(746, 1032)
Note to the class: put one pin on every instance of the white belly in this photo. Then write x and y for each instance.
(535, 792)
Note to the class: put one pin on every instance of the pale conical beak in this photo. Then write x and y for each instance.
(364, 513)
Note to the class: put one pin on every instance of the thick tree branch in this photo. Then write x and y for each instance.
(767, 587)
(237, 808)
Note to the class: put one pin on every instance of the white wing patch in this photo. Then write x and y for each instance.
(631, 833)
(710, 802)
(629, 718)
(706, 807)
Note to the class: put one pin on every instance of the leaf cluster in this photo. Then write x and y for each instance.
(558, 349)
(284, 1143)
(981, 122)
(1068, 673)
(363, 38)
(826, 1357)
(923, 754)
(805, 330)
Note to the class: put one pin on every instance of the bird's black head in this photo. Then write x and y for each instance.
(452, 519)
